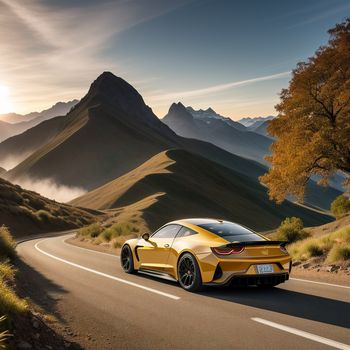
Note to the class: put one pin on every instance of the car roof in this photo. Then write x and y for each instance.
(198, 221)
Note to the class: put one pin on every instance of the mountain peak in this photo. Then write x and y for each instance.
(108, 83)
(113, 91)
(210, 110)
(177, 107)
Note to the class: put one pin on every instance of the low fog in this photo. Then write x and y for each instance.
(11, 161)
(50, 189)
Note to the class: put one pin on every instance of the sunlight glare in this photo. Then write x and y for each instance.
(5, 103)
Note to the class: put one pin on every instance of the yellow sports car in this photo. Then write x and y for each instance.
(199, 252)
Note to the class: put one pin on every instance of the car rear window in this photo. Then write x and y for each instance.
(231, 232)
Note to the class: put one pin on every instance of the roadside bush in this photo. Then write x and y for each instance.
(340, 206)
(7, 244)
(333, 247)
(92, 230)
(291, 230)
(339, 253)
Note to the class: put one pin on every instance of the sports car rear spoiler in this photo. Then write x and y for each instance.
(255, 243)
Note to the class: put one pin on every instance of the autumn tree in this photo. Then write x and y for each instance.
(312, 129)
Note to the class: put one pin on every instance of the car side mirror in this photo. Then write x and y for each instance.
(145, 236)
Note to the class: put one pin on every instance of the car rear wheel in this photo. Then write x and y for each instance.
(127, 260)
(189, 273)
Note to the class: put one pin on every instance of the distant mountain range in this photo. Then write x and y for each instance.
(110, 137)
(13, 124)
(209, 114)
(254, 122)
(222, 132)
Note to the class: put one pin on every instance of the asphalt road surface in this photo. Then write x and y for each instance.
(108, 309)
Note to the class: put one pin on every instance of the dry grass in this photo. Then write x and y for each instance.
(4, 335)
(115, 234)
(7, 244)
(332, 247)
(10, 303)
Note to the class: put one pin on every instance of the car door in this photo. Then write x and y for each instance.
(153, 254)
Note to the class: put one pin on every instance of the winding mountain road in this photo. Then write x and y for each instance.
(108, 309)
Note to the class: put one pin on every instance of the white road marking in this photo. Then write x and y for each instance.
(171, 296)
(307, 335)
(90, 250)
(324, 283)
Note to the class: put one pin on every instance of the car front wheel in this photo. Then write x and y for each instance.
(127, 260)
(189, 273)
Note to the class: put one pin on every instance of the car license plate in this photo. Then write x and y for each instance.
(264, 268)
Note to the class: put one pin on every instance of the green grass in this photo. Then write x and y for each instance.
(334, 247)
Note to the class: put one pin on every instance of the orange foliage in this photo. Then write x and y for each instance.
(312, 129)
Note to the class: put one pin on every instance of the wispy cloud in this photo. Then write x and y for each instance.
(57, 51)
(216, 88)
(321, 15)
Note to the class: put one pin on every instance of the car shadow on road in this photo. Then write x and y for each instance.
(292, 303)
(41, 290)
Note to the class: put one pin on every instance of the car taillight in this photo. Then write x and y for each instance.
(227, 251)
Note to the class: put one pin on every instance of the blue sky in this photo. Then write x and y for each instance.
(234, 56)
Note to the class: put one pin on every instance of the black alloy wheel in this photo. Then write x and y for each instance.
(189, 273)
(127, 260)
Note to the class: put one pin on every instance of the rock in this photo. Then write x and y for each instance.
(332, 268)
(305, 266)
(296, 263)
(35, 324)
(67, 344)
(24, 345)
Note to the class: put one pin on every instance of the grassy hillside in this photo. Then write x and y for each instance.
(177, 183)
(26, 212)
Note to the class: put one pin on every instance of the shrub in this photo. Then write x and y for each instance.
(291, 230)
(44, 215)
(339, 253)
(334, 246)
(92, 230)
(340, 206)
(106, 235)
(7, 244)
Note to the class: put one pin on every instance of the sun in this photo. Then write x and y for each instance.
(5, 102)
